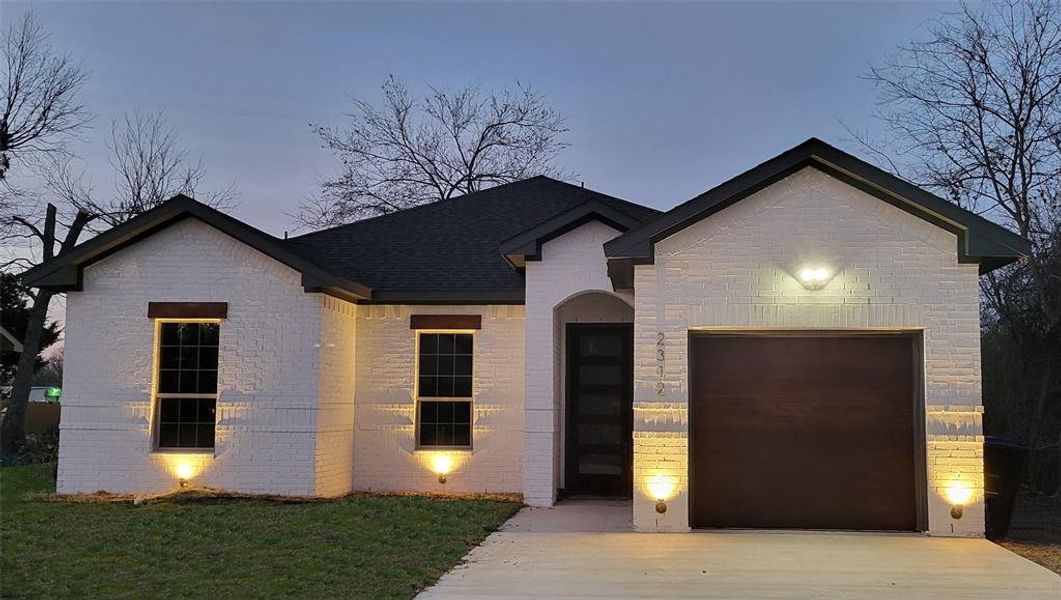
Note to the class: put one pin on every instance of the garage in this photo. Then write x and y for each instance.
(807, 431)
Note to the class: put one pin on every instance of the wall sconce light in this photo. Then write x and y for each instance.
(958, 494)
(661, 487)
(184, 473)
(442, 464)
(814, 278)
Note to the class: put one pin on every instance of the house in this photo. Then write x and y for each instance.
(798, 347)
(8, 341)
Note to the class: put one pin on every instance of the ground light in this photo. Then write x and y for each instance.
(661, 487)
(442, 464)
(184, 472)
(959, 493)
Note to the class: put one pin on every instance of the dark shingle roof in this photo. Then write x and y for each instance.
(449, 249)
(447, 252)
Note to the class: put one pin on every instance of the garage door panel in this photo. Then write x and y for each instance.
(806, 432)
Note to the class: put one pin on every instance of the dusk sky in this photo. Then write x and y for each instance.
(664, 100)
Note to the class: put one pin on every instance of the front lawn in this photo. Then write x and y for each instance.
(361, 547)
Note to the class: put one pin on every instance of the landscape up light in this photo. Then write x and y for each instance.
(661, 487)
(959, 493)
(184, 473)
(442, 464)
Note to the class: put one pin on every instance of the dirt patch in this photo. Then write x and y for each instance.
(207, 495)
(1045, 553)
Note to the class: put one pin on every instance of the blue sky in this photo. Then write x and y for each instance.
(664, 100)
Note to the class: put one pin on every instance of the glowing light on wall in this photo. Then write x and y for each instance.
(661, 487)
(184, 472)
(959, 494)
(814, 277)
(442, 464)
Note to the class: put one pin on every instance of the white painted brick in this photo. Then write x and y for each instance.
(266, 432)
(736, 269)
(316, 393)
(385, 456)
(572, 265)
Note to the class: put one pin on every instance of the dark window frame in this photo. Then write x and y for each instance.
(200, 397)
(422, 399)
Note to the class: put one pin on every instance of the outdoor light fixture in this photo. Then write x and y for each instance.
(661, 487)
(958, 494)
(184, 473)
(442, 464)
(814, 278)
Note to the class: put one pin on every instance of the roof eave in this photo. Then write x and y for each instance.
(65, 272)
(979, 240)
(449, 297)
(527, 245)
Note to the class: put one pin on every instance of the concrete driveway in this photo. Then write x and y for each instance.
(585, 549)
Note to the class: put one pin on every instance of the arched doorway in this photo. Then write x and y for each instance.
(595, 388)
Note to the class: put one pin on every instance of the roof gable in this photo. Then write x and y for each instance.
(65, 273)
(979, 240)
(527, 245)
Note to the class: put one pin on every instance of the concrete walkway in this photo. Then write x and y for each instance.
(585, 549)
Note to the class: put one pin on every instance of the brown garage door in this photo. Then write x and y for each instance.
(810, 432)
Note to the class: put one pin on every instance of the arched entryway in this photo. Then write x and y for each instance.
(593, 357)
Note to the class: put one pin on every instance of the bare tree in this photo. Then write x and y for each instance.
(974, 111)
(149, 167)
(52, 244)
(41, 109)
(413, 151)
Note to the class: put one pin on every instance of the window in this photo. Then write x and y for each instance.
(187, 384)
(444, 388)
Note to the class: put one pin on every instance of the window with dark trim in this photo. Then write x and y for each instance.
(444, 390)
(187, 385)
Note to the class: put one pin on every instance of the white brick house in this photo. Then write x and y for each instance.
(797, 347)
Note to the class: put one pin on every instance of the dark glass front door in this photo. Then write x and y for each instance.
(599, 425)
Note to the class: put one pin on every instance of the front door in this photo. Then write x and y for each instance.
(599, 409)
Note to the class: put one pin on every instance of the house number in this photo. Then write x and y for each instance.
(661, 354)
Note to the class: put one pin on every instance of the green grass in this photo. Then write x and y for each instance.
(365, 547)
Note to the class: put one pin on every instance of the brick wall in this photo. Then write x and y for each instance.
(736, 269)
(335, 414)
(571, 265)
(385, 455)
(290, 367)
(268, 378)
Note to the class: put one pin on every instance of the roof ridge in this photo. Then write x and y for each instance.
(597, 194)
(417, 207)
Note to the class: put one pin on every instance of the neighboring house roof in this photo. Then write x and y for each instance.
(8, 341)
(979, 240)
(446, 252)
(451, 251)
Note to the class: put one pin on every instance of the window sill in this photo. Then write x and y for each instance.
(467, 449)
(185, 451)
